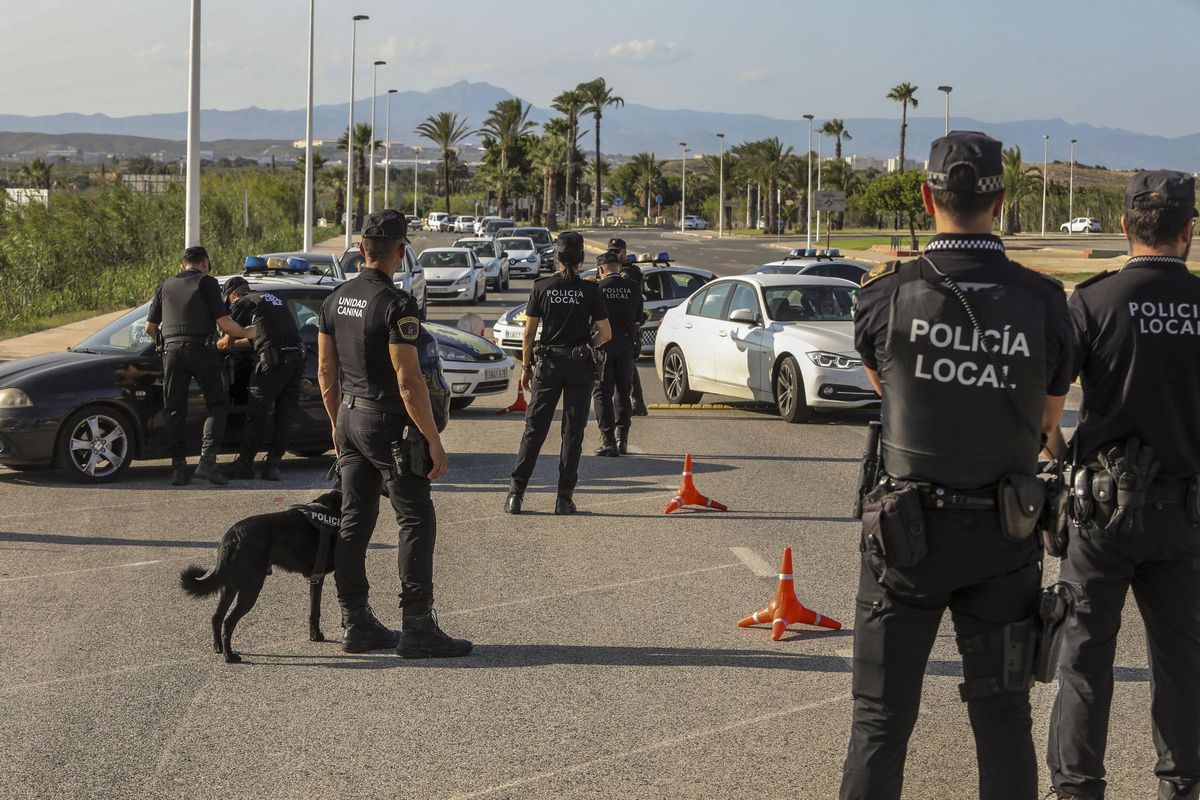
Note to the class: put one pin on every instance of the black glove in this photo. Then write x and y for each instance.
(1053, 522)
(1133, 471)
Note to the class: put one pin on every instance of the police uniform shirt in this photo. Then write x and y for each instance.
(567, 309)
(273, 321)
(943, 387)
(207, 287)
(623, 299)
(633, 273)
(1137, 354)
(364, 316)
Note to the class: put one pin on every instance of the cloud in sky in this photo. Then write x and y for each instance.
(645, 51)
(754, 75)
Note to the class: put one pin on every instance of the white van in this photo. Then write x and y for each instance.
(434, 221)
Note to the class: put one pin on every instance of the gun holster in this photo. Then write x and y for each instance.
(1057, 604)
(410, 454)
(1055, 513)
(1020, 500)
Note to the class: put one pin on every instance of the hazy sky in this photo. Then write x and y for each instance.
(1008, 59)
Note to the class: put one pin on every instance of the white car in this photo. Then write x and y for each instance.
(1081, 225)
(522, 255)
(693, 223)
(464, 224)
(473, 366)
(781, 339)
(481, 224)
(809, 262)
(453, 273)
(409, 277)
(434, 221)
(495, 267)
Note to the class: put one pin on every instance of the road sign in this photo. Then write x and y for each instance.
(830, 201)
(618, 201)
(658, 198)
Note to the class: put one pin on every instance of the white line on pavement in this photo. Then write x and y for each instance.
(78, 571)
(660, 745)
(753, 562)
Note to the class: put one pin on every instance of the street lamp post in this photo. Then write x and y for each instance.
(371, 156)
(807, 190)
(191, 216)
(1071, 192)
(416, 166)
(308, 135)
(817, 232)
(387, 150)
(947, 90)
(683, 190)
(350, 134)
(1045, 175)
(721, 191)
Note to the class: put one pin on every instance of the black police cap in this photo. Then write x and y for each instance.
(194, 254)
(1161, 188)
(616, 243)
(570, 243)
(386, 224)
(235, 284)
(978, 151)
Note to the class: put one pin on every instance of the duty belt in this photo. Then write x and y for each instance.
(182, 340)
(281, 355)
(367, 404)
(555, 350)
(935, 496)
(1158, 492)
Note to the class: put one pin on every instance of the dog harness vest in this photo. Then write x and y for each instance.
(326, 525)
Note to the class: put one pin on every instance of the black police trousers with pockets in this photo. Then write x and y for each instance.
(987, 582)
(274, 396)
(611, 396)
(555, 377)
(364, 464)
(1162, 565)
(181, 363)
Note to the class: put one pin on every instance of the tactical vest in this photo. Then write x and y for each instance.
(946, 416)
(325, 523)
(184, 312)
(275, 325)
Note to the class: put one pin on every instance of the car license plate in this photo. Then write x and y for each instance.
(495, 374)
(440, 290)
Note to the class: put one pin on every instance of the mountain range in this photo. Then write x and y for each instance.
(633, 128)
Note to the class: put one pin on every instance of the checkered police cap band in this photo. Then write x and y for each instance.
(940, 180)
(995, 245)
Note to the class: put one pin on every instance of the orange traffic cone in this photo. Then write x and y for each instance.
(517, 407)
(786, 609)
(688, 495)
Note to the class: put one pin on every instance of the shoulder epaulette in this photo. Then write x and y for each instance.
(880, 271)
(1095, 278)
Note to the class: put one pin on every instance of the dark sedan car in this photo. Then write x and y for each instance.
(93, 409)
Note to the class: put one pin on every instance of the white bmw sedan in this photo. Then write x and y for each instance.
(782, 339)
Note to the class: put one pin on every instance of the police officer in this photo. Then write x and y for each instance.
(559, 364)
(630, 271)
(1137, 343)
(962, 327)
(611, 396)
(275, 381)
(385, 434)
(185, 312)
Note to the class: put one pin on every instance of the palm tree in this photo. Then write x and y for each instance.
(362, 144)
(551, 156)
(445, 130)
(319, 162)
(1019, 182)
(333, 178)
(508, 124)
(36, 174)
(768, 161)
(596, 97)
(570, 103)
(649, 173)
(906, 95)
(837, 129)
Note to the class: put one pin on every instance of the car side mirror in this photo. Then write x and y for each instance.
(504, 254)
(744, 316)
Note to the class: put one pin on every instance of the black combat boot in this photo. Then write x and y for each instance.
(207, 470)
(242, 469)
(179, 473)
(364, 632)
(512, 503)
(564, 505)
(608, 446)
(270, 469)
(639, 409)
(422, 638)
(1056, 794)
(623, 442)
(1173, 791)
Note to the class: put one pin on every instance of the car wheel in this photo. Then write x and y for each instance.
(483, 297)
(459, 403)
(311, 453)
(789, 392)
(423, 311)
(95, 445)
(675, 379)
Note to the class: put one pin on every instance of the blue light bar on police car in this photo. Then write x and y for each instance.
(255, 264)
(663, 256)
(298, 264)
(796, 252)
(835, 253)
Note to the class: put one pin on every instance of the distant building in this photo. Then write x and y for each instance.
(149, 184)
(893, 164)
(858, 162)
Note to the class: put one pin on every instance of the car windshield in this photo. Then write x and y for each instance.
(811, 303)
(778, 269)
(481, 249)
(442, 258)
(497, 224)
(514, 245)
(127, 334)
(538, 236)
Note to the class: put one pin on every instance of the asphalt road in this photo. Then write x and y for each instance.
(608, 662)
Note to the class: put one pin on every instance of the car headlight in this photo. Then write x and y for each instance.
(833, 360)
(14, 398)
(532, 258)
(463, 279)
(450, 353)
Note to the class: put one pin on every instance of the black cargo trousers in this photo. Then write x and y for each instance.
(986, 581)
(555, 376)
(274, 400)
(611, 397)
(183, 361)
(1162, 566)
(365, 465)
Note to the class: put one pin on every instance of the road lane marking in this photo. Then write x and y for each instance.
(753, 562)
(80, 571)
(663, 744)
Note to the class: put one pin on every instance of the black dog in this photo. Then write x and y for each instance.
(285, 539)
